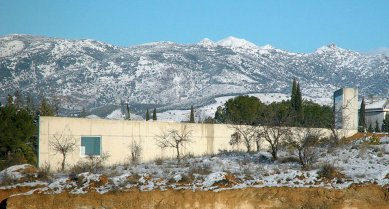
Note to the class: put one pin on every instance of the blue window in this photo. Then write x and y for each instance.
(90, 145)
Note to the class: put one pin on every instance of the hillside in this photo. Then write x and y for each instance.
(92, 74)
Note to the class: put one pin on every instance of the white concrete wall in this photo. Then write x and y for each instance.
(350, 112)
(118, 135)
(372, 117)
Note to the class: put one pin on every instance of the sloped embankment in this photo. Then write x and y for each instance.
(356, 196)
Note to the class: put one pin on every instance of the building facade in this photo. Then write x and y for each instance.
(346, 108)
(375, 113)
(114, 138)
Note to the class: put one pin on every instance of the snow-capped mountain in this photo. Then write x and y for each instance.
(88, 73)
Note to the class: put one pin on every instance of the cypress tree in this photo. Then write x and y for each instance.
(155, 114)
(385, 123)
(191, 118)
(299, 105)
(296, 104)
(361, 119)
(147, 115)
(128, 112)
(293, 97)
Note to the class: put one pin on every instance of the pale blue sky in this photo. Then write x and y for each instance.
(298, 26)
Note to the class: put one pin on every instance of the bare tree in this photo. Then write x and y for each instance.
(275, 131)
(136, 151)
(236, 140)
(63, 144)
(274, 135)
(306, 142)
(176, 139)
(245, 134)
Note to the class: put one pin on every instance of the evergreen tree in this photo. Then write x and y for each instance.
(293, 97)
(128, 116)
(242, 110)
(361, 119)
(46, 109)
(377, 127)
(385, 124)
(16, 131)
(296, 105)
(83, 113)
(220, 115)
(155, 114)
(370, 129)
(147, 115)
(18, 100)
(10, 100)
(299, 105)
(30, 103)
(191, 118)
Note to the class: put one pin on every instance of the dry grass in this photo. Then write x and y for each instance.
(329, 172)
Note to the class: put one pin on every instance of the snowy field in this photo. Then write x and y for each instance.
(355, 163)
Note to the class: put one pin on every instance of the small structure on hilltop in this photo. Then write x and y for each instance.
(375, 113)
(346, 108)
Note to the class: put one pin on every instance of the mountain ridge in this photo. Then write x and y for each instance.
(89, 73)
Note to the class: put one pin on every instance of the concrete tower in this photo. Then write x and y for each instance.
(346, 108)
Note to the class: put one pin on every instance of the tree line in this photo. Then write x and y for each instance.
(19, 128)
(249, 110)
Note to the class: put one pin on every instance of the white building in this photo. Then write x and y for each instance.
(346, 108)
(376, 112)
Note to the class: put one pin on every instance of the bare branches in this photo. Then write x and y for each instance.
(245, 134)
(274, 135)
(176, 139)
(306, 142)
(345, 113)
(63, 144)
(136, 151)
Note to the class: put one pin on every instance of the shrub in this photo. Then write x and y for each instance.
(289, 159)
(374, 140)
(329, 172)
(136, 152)
(6, 180)
(133, 179)
(159, 161)
(203, 169)
(92, 164)
(44, 172)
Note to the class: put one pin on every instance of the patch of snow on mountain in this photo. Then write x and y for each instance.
(206, 42)
(9, 48)
(116, 115)
(233, 42)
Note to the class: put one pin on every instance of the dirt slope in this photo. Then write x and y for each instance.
(367, 196)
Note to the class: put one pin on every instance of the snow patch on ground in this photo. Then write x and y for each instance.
(359, 161)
